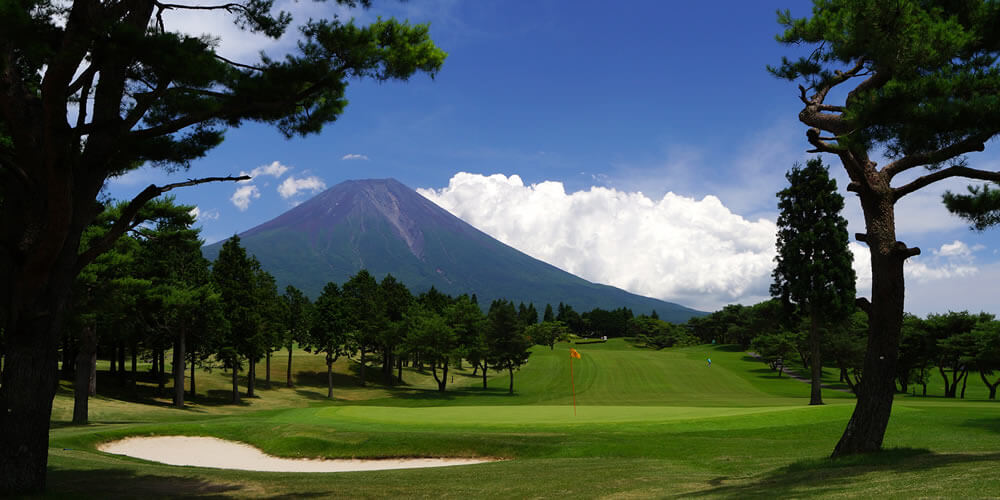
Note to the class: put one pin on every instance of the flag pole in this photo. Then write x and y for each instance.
(572, 384)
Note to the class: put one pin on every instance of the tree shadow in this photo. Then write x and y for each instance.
(817, 477)
(989, 424)
(120, 483)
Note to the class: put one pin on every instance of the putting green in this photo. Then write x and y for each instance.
(535, 415)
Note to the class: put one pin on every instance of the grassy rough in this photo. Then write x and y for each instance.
(648, 424)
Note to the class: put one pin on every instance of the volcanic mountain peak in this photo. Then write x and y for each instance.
(385, 227)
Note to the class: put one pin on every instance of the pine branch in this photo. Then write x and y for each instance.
(968, 145)
(956, 171)
(129, 218)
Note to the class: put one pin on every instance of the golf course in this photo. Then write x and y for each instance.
(647, 423)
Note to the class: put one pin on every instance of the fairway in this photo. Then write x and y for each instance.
(648, 424)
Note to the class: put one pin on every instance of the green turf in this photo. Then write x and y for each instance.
(647, 424)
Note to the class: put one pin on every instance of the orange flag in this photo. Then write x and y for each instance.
(573, 354)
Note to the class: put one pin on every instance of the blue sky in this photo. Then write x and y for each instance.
(637, 143)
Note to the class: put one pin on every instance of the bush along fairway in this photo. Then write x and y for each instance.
(649, 423)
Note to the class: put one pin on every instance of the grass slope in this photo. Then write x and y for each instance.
(648, 424)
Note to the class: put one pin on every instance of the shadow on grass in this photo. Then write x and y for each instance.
(989, 424)
(111, 483)
(816, 477)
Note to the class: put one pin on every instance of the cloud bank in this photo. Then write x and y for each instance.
(354, 157)
(694, 252)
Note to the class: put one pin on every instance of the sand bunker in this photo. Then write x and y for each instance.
(222, 454)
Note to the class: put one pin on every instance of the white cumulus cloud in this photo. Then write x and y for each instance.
(199, 214)
(696, 252)
(950, 261)
(275, 169)
(292, 186)
(243, 195)
(354, 157)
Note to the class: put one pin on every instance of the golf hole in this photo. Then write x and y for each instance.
(221, 454)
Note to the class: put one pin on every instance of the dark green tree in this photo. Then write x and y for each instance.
(813, 269)
(328, 333)
(155, 96)
(547, 333)
(433, 340)
(234, 276)
(508, 346)
(918, 81)
(396, 300)
(365, 314)
(297, 320)
(548, 315)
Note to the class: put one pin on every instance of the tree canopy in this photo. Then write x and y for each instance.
(90, 90)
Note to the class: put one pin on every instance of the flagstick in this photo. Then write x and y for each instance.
(572, 384)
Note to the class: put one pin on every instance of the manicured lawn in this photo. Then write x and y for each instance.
(648, 424)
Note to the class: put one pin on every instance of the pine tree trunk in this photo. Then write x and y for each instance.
(866, 429)
(251, 376)
(135, 373)
(329, 380)
(484, 374)
(511, 370)
(444, 377)
(992, 387)
(815, 364)
(236, 388)
(29, 383)
(965, 380)
(85, 353)
(399, 369)
(68, 357)
(192, 393)
(121, 363)
(267, 367)
(179, 370)
(288, 369)
(362, 367)
(161, 374)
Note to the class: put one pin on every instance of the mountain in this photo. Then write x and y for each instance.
(386, 227)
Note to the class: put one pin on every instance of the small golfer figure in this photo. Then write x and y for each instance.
(709, 361)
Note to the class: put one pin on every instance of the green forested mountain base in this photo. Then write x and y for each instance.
(647, 424)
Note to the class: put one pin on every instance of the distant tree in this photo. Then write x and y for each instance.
(365, 314)
(183, 305)
(813, 268)
(433, 340)
(329, 330)
(987, 335)
(234, 275)
(269, 334)
(775, 348)
(548, 315)
(916, 354)
(508, 346)
(955, 345)
(657, 334)
(547, 333)
(396, 300)
(297, 321)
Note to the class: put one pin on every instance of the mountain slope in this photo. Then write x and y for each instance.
(386, 227)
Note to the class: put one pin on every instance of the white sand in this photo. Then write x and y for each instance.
(222, 454)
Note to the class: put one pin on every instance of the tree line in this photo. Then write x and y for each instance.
(950, 346)
(154, 294)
